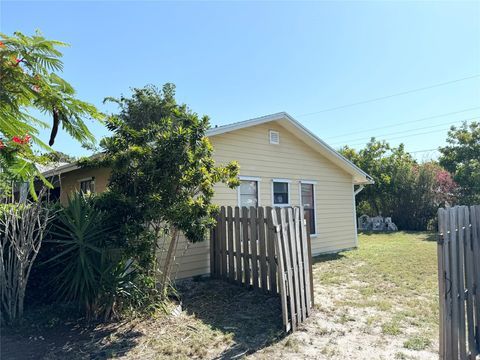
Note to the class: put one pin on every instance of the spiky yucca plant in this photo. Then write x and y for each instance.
(82, 259)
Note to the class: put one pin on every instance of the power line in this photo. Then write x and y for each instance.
(405, 131)
(406, 122)
(390, 96)
(400, 137)
(421, 151)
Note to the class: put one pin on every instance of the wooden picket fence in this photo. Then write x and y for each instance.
(459, 281)
(266, 249)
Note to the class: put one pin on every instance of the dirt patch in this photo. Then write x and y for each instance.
(218, 320)
(377, 302)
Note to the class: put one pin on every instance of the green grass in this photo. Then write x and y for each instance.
(417, 342)
(395, 273)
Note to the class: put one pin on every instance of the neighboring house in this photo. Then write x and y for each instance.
(281, 163)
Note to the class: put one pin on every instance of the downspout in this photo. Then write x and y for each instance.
(358, 190)
(355, 192)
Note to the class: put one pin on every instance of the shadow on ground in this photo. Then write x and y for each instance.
(428, 235)
(327, 258)
(252, 317)
(44, 335)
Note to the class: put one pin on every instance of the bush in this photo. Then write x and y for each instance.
(90, 270)
(405, 190)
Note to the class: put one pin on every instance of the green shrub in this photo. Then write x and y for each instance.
(90, 270)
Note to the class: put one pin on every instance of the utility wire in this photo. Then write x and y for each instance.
(403, 136)
(406, 122)
(421, 151)
(390, 96)
(405, 131)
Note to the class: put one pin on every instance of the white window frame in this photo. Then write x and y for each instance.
(314, 183)
(91, 178)
(289, 189)
(250, 178)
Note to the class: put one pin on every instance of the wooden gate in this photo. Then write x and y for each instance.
(459, 281)
(266, 249)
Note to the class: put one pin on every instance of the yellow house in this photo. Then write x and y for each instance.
(281, 163)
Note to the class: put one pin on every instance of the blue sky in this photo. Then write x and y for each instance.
(238, 60)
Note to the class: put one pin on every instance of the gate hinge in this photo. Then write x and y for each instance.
(440, 239)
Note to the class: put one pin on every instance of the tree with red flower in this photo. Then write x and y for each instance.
(21, 81)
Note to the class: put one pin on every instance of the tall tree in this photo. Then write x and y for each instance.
(462, 158)
(163, 173)
(407, 191)
(389, 167)
(29, 79)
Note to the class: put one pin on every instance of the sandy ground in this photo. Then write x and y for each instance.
(335, 332)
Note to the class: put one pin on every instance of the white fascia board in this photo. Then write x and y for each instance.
(61, 169)
(243, 124)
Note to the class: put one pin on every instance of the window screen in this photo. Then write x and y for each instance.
(248, 193)
(280, 193)
(308, 202)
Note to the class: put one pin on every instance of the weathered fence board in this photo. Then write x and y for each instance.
(245, 247)
(253, 245)
(292, 271)
(266, 249)
(458, 279)
(238, 247)
(262, 249)
(272, 265)
(282, 279)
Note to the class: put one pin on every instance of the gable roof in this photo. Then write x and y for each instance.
(287, 121)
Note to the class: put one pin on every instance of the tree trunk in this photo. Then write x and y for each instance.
(167, 266)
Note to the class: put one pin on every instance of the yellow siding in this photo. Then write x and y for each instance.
(292, 160)
(70, 182)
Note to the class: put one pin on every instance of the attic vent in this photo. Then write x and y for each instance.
(274, 137)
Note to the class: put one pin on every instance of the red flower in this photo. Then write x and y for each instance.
(26, 138)
(17, 140)
(2, 145)
(2, 45)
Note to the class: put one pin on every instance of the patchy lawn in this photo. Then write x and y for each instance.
(377, 302)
